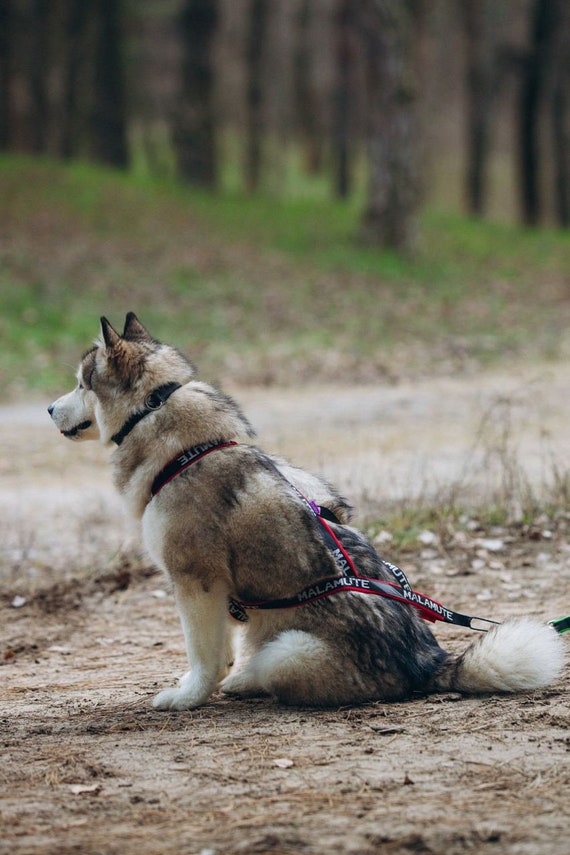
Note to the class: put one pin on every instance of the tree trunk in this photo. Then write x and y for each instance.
(74, 49)
(254, 93)
(109, 121)
(343, 95)
(560, 112)
(38, 73)
(311, 24)
(194, 128)
(391, 215)
(481, 35)
(531, 100)
(5, 73)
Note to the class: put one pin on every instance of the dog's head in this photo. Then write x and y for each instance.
(114, 378)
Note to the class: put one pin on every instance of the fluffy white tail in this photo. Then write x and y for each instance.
(516, 656)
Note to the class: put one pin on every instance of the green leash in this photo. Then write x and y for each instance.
(561, 625)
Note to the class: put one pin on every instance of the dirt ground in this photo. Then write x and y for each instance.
(88, 633)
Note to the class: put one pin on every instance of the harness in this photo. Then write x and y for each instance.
(349, 579)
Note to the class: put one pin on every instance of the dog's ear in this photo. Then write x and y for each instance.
(110, 336)
(134, 330)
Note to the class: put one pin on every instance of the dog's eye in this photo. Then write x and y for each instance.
(87, 381)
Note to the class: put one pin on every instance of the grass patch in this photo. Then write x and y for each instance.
(495, 495)
(261, 289)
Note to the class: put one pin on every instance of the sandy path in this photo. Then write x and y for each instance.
(88, 767)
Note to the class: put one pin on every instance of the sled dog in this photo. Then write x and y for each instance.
(229, 524)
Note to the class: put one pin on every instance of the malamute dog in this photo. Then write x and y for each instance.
(241, 535)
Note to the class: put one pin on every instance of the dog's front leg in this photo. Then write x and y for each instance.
(203, 615)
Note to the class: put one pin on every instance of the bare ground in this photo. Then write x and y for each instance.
(88, 634)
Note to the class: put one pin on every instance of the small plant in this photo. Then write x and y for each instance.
(493, 492)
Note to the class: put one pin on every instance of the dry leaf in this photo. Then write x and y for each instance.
(283, 763)
(387, 730)
(85, 789)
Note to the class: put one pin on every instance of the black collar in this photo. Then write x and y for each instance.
(152, 402)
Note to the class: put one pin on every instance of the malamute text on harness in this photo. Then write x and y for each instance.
(237, 530)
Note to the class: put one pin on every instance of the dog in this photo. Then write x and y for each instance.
(234, 528)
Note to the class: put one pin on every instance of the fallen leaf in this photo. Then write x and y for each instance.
(283, 763)
(85, 789)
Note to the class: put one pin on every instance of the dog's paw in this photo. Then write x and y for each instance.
(242, 685)
(178, 699)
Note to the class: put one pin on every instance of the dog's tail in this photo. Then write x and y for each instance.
(516, 656)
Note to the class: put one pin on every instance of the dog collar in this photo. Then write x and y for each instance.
(152, 402)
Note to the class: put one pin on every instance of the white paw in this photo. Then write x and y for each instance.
(243, 684)
(179, 699)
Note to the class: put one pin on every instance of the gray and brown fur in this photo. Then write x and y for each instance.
(232, 526)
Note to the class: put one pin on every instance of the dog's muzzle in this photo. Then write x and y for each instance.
(74, 431)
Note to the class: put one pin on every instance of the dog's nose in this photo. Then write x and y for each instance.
(51, 408)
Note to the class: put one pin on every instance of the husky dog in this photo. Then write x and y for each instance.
(229, 523)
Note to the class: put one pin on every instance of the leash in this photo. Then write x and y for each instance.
(349, 579)
(561, 624)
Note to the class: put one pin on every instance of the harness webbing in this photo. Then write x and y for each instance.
(183, 461)
(349, 579)
(352, 580)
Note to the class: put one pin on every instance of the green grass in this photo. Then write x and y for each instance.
(261, 289)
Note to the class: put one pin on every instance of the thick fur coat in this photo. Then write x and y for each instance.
(233, 526)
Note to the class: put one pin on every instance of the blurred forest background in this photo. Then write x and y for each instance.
(173, 83)
(380, 114)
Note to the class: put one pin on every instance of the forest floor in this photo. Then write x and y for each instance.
(88, 634)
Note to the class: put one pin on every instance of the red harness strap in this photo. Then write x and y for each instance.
(349, 580)
(184, 460)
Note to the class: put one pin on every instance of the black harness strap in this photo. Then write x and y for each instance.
(183, 461)
(152, 402)
(349, 579)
